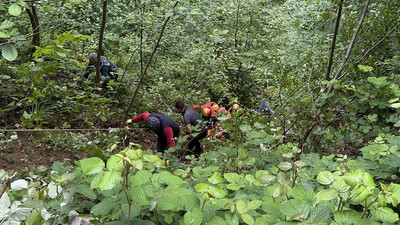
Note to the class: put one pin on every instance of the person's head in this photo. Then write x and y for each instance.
(93, 58)
(235, 107)
(154, 123)
(180, 106)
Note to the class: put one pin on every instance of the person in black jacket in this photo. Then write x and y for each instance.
(192, 118)
(107, 68)
(165, 128)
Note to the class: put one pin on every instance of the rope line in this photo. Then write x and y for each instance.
(44, 130)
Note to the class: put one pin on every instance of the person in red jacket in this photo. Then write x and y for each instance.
(165, 128)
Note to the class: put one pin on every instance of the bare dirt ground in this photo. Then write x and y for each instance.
(27, 152)
(24, 154)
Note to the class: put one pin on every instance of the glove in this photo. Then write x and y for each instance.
(128, 122)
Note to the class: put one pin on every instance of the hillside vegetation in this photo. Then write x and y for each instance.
(331, 156)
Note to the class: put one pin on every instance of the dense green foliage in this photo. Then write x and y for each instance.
(331, 156)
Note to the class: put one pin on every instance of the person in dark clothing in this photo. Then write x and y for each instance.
(265, 106)
(192, 118)
(165, 128)
(107, 68)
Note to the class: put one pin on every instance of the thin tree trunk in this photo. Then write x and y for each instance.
(330, 88)
(141, 40)
(246, 44)
(351, 44)
(33, 17)
(237, 24)
(148, 63)
(103, 24)
(330, 60)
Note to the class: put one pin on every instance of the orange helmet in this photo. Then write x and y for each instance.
(235, 106)
(207, 112)
(215, 106)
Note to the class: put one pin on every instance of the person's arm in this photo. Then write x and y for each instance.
(169, 135)
(140, 117)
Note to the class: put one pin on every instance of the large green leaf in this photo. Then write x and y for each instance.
(6, 24)
(19, 185)
(190, 202)
(216, 178)
(247, 219)
(4, 205)
(379, 82)
(15, 10)
(325, 178)
(85, 190)
(201, 187)
(340, 185)
(92, 165)
(321, 213)
(241, 207)
(34, 218)
(362, 193)
(253, 204)
(346, 217)
(280, 191)
(106, 180)
(169, 201)
(194, 217)
(298, 192)
(396, 191)
(385, 215)
(216, 191)
(151, 158)
(293, 206)
(105, 206)
(217, 221)
(367, 222)
(285, 166)
(115, 163)
(166, 177)
(139, 196)
(327, 194)
(140, 178)
(232, 177)
(232, 218)
(352, 179)
(9, 52)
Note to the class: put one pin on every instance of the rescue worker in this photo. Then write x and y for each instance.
(165, 128)
(265, 106)
(192, 118)
(209, 111)
(107, 69)
(235, 108)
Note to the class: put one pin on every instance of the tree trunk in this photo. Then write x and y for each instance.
(237, 24)
(330, 88)
(103, 24)
(330, 60)
(148, 63)
(33, 17)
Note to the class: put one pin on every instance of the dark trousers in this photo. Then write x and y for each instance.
(162, 144)
(194, 144)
